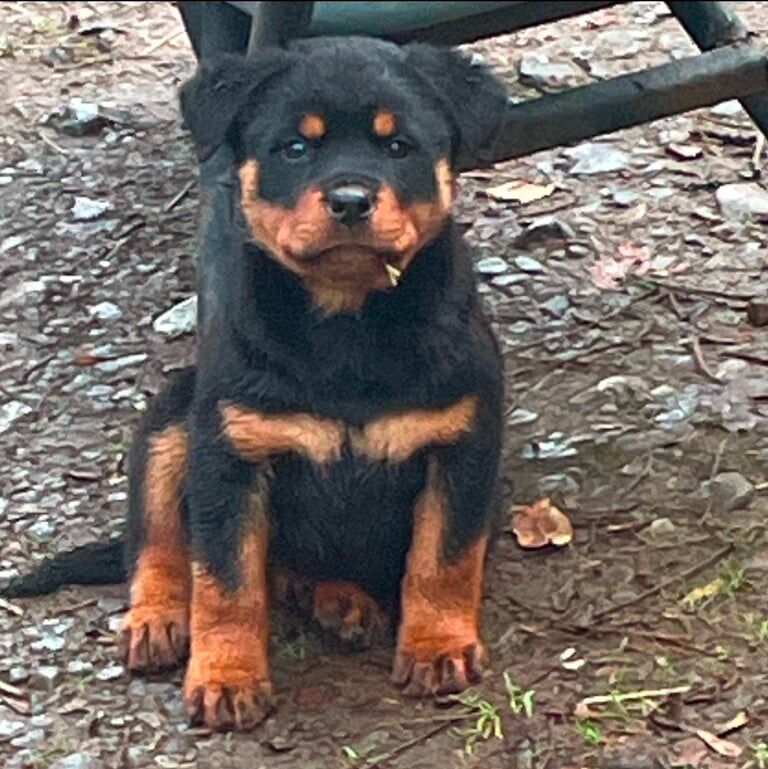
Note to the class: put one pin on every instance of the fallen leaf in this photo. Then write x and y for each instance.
(698, 594)
(541, 524)
(521, 192)
(720, 746)
(609, 272)
(737, 722)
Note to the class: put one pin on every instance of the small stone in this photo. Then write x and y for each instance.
(728, 491)
(45, 678)
(742, 201)
(730, 108)
(111, 366)
(558, 483)
(79, 667)
(624, 198)
(543, 229)
(18, 674)
(43, 529)
(10, 242)
(10, 729)
(596, 158)
(49, 643)
(528, 264)
(492, 265)
(78, 761)
(180, 319)
(86, 210)
(556, 305)
(757, 312)
(105, 311)
(28, 740)
(684, 151)
(661, 527)
(10, 412)
(522, 417)
(537, 70)
(110, 672)
(577, 251)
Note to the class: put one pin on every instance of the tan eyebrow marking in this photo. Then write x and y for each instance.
(384, 123)
(312, 126)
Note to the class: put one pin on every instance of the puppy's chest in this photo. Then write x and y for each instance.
(392, 437)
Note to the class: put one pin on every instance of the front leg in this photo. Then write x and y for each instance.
(439, 649)
(227, 685)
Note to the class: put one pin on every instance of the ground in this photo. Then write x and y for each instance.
(639, 406)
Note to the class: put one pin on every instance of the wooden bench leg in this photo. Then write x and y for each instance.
(712, 25)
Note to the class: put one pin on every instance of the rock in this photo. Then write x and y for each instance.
(757, 312)
(10, 729)
(32, 738)
(684, 151)
(558, 483)
(742, 200)
(541, 230)
(43, 528)
(616, 44)
(18, 674)
(730, 108)
(521, 417)
(596, 158)
(10, 412)
(78, 761)
(49, 643)
(111, 366)
(86, 209)
(492, 265)
(45, 678)
(537, 70)
(661, 528)
(728, 491)
(111, 672)
(10, 242)
(528, 264)
(624, 198)
(79, 667)
(180, 319)
(556, 305)
(20, 291)
(105, 311)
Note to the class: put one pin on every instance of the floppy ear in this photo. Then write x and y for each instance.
(213, 98)
(474, 99)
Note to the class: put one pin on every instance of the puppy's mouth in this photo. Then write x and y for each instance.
(347, 262)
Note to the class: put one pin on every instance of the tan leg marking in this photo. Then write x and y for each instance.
(156, 629)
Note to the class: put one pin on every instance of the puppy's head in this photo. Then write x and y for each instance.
(346, 151)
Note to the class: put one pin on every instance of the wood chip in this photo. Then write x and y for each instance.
(519, 192)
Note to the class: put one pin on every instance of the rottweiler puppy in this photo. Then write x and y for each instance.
(342, 428)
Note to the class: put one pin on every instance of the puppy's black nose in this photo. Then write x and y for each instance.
(350, 203)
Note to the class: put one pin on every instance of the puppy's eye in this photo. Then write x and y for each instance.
(295, 149)
(396, 148)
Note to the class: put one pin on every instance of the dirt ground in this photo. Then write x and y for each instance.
(637, 401)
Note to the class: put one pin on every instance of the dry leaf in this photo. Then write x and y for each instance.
(610, 271)
(521, 192)
(541, 524)
(720, 746)
(737, 722)
(698, 594)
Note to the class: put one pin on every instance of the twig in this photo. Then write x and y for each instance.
(693, 290)
(84, 63)
(163, 41)
(693, 571)
(52, 144)
(11, 608)
(18, 706)
(178, 197)
(75, 607)
(644, 473)
(702, 363)
(413, 742)
(644, 694)
(37, 366)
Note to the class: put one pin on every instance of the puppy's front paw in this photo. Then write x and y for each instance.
(444, 666)
(224, 707)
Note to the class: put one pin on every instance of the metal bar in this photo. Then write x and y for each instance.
(499, 22)
(711, 25)
(275, 23)
(686, 84)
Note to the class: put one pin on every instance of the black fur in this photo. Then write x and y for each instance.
(424, 345)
